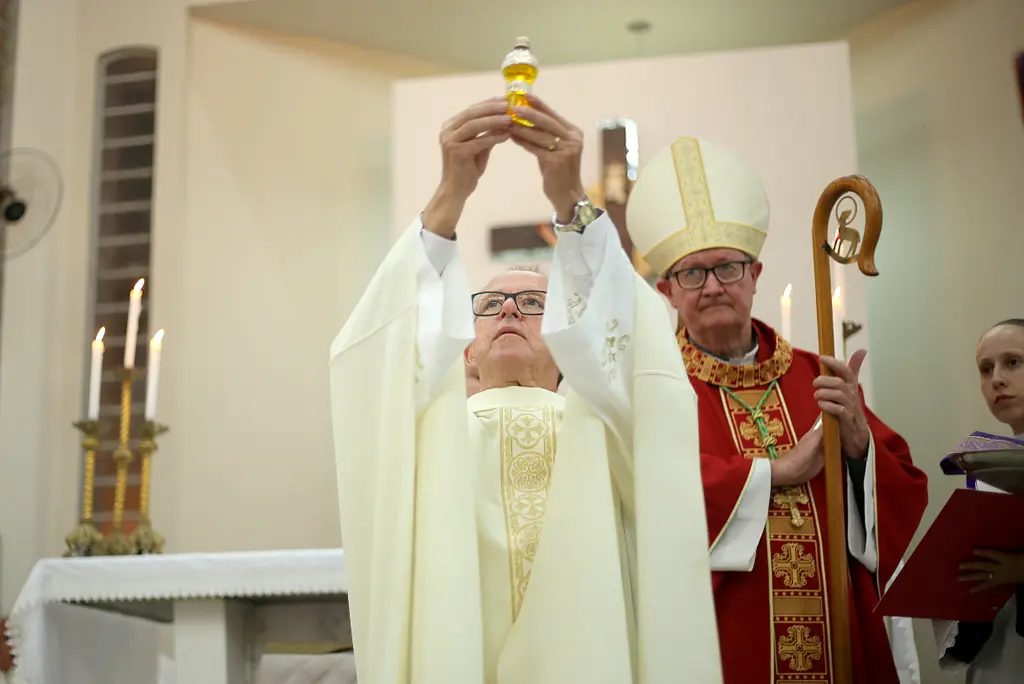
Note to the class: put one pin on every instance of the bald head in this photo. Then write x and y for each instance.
(508, 349)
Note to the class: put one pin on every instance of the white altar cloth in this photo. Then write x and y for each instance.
(240, 599)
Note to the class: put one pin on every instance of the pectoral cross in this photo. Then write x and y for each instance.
(791, 498)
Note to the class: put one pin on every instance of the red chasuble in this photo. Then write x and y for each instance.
(773, 621)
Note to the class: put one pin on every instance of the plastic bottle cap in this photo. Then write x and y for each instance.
(523, 41)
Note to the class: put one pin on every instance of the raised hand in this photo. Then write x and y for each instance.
(840, 396)
(466, 143)
(558, 147)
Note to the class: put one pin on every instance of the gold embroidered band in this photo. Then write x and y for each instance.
(702, 231)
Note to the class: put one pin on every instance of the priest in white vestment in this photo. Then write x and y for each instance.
(522, 536)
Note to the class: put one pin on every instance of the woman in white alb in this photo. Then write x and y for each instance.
(993, 652)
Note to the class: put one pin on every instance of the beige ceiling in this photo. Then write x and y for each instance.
(476, 34)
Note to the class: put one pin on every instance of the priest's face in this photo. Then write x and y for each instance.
(712, 309)
(508, 349)
(1001, 367)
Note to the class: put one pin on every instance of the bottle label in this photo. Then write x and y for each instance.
(518, 87)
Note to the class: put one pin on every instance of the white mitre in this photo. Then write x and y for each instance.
(694, 195)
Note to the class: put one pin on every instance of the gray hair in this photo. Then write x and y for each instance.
(527, 267)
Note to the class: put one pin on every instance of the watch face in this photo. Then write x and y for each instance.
(587, 213)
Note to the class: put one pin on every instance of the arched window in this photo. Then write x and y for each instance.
(122, 223)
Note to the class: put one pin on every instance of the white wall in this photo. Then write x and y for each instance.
(32, 391)
(283, 218)
(287, 218)
(45, 307)
(788, 111)
(940, 132)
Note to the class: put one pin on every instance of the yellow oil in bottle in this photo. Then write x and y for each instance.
(520, 71)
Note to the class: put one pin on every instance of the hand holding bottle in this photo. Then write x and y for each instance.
(466, 143)
(558, 146)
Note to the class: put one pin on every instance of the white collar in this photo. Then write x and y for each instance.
(748, 359)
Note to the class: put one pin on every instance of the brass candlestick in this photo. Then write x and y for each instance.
(117, 542)
(86, 539)
(144, 539)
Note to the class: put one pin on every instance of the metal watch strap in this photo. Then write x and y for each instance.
(579, 221)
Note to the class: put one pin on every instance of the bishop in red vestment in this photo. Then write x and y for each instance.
(700, 216)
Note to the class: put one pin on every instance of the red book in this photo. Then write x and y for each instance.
(927, 586)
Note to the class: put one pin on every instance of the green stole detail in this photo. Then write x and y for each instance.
(758, 416)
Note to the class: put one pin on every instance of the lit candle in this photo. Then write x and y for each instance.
(95, 375)
(134, 310)
(838, 314)
(156, 345)
(786, 302)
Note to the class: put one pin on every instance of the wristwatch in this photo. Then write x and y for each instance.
(584, 213)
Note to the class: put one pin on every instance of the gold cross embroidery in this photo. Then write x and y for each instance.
(794, 565)
(767, 440)
(791, 497)
(799, 648)
(762, 433)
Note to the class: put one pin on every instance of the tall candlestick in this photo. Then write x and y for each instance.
(838, 314)
(134, 310)
(786, 302)
(96, 375)
(153, 373)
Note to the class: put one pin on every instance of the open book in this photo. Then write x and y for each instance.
(927, 586)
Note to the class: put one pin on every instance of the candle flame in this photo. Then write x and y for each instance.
(789, 291)
(159, 336)
(138, 285)
(101, 333)
(835, 295)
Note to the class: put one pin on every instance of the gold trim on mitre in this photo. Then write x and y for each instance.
(739, 195)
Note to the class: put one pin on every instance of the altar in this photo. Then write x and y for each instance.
(225, 610)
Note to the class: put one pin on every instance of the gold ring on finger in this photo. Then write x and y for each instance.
(554, 144)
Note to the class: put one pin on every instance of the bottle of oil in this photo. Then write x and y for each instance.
(520, 71)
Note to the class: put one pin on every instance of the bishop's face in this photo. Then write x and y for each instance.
(1001, 367)
(509, 349)
(706, 304)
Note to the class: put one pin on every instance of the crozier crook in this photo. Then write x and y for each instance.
(844, 251)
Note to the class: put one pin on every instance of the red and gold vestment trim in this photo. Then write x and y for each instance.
(707, 368)
(797, 599)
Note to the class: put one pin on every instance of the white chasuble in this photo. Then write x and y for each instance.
(521, 537)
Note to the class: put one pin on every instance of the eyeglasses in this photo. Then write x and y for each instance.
(694, 278)
(529, 302)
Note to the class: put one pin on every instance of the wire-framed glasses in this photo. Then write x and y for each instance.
(725, 273)
(529, 302)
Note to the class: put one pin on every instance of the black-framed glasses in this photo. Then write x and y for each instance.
(529, 302)
(725, 273)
